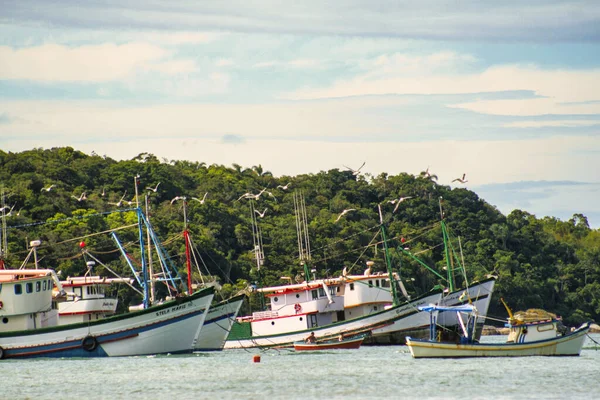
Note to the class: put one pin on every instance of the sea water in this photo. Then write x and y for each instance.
(367, 373)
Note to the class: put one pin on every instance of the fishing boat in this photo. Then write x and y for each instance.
(348, 305)
(475, 293)
(538, 336)
(31, 327)
(345, 344)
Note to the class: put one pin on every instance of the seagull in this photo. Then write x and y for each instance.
(398, 201)
(82, 197)
(428, 174)
(178, 198)
(49, 188)
(261, 214)
(346, 211)
(245, 196)
(461, 180)
(272, 195)
(154, 189)
(10, 209)
(356, 171)
(284, 187)
(103, 192)
(200, 201)
(120, 202)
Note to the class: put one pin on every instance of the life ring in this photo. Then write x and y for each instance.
(1, 353)
(297, 308)
(89, 343)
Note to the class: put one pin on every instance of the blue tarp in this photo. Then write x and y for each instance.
(433, 307)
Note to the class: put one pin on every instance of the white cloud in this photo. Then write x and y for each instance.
(559, 124)
(88, 63)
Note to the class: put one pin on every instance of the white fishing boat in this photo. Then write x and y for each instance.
(30, 316)
(347, 305)
(475, 293)
(527, 337)
(30, 324)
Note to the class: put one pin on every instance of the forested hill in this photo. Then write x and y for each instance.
(540, 263)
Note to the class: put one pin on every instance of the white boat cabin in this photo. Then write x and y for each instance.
(299, 306)
(86, 300)
(366, 294)
(26, 300)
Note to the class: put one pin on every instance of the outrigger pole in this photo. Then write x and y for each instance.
(388, 260)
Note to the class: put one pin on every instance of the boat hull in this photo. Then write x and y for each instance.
(217, 325)
(369, 323)
(478, 295)
(567, 345)
(413, 323)
(345, 344)
(166, 328)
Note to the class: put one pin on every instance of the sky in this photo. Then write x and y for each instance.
(507, 92)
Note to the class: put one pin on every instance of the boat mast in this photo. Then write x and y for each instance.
(150, 266)
(388, 260)
(3, 237)
(136, 181)
(449, 266)
(302, 233)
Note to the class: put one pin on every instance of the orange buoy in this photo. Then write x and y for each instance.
(256, 358)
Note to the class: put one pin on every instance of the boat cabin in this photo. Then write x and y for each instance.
(26, 300)
(86, 300)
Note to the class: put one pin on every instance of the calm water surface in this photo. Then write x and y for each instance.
(366, 373)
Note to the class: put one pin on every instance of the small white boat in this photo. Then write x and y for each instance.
(533, 337)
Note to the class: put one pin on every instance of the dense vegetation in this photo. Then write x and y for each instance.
(540, 263)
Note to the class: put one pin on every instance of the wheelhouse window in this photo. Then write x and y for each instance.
(44, 285)
(29, 287)
(38, 286)
(321, 292)
(377, 282)
(352, 286)
(332, 290)
(315, 294)
(18, 288)
(370, 283)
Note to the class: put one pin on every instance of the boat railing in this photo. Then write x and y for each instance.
(264, 314)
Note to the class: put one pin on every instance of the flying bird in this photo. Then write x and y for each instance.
(284, 187)
(178, 198)
(120, 202)
(154, 189)
(346, 211)
(356, 171)
(49, 188)
(82, 197)
(428, 174)
(272, 195)
(245, 196)
(261, 214)
(10, 209)
(200, 201)
(103, 192)
(461, 180)
(398, 201)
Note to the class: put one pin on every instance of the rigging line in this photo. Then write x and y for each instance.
(69, 218)
(331, 244)
(94, 234)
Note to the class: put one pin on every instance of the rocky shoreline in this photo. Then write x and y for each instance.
(496, 330)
